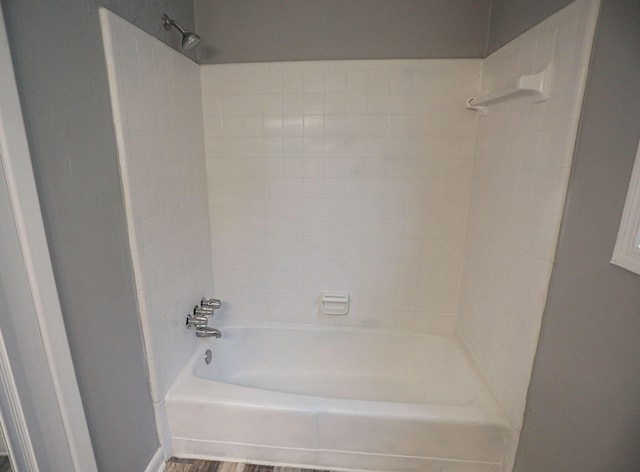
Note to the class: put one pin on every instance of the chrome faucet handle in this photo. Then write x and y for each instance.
(202, 311)
(212, 303)
(195, 321)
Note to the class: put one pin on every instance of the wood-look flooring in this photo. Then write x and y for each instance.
(194, 465)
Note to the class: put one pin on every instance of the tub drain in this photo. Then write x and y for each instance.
(208, 356)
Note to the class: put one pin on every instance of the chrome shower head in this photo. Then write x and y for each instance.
(189, 40)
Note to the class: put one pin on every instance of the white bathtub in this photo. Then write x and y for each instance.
(336, 398)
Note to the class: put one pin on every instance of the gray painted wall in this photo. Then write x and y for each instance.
(3, 444)
(62, 80)
(511, 18)
(290, 30)
(582, 411)
(583, 408)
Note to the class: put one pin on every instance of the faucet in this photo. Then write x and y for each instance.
(200, 317)
(208, 332)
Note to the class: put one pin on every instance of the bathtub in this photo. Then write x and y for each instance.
(336, 398)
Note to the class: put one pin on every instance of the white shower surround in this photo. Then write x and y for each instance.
(157, 111)
(314, 167)
(340, 175)
(521, 171)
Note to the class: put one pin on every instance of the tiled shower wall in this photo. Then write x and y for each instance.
(158, 121)
(353, 176)
(520, 178)
(340, 175)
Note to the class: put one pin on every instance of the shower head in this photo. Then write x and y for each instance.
(189, 40)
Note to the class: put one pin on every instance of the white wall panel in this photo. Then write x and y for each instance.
(523, 158)
(340, 175)
(158, 120)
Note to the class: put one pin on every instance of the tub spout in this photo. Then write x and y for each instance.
(208, 332)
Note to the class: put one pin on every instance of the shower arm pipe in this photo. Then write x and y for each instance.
(168, 23)
(536, 85)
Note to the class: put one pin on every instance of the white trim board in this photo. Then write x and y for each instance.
(626, 253)
(18, 444)
(44, 319)
(156, 464)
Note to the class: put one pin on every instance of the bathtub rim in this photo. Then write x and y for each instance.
(188, 387)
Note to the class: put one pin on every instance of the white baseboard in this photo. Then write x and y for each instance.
(345, 461)
(156, 464)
